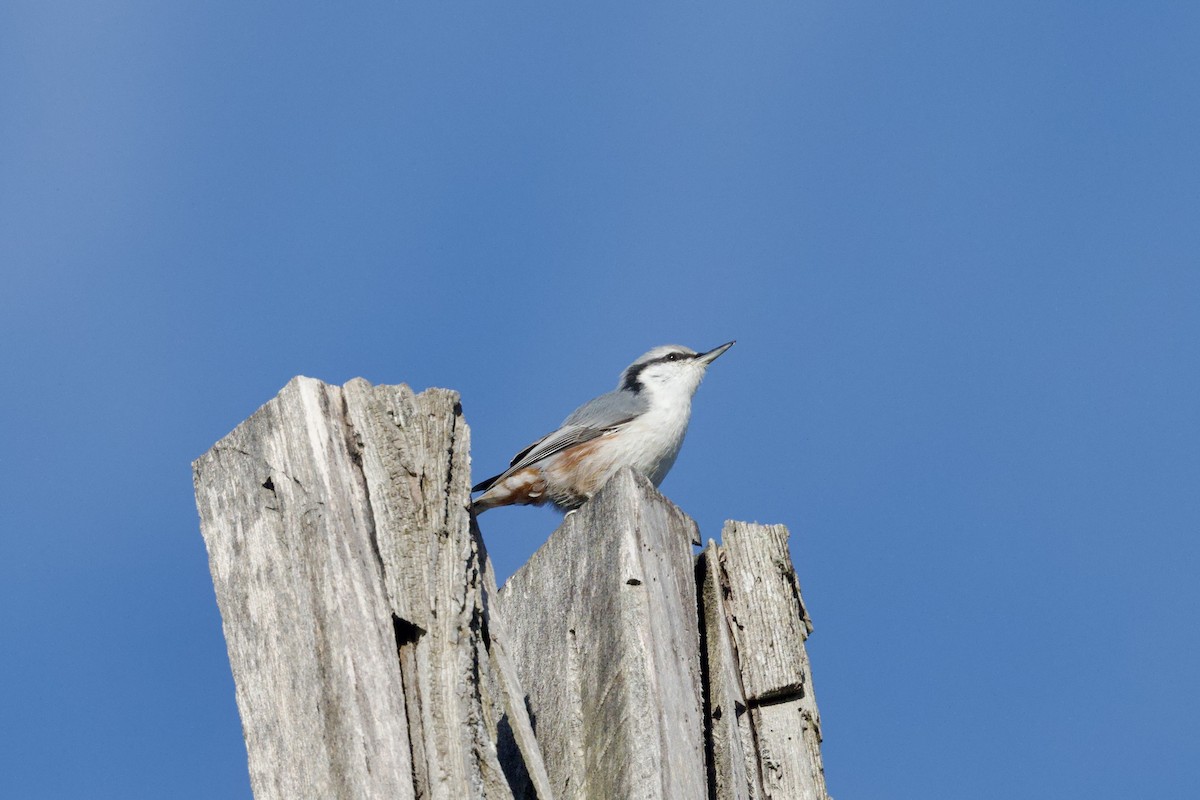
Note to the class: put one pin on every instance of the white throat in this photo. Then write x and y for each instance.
(662, 428)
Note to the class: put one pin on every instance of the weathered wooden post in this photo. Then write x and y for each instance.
(765, 730)
(374, 657)
(606, 640)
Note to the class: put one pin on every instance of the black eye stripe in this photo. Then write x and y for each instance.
(633, 381)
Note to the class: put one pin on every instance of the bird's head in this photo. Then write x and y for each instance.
(669, 370)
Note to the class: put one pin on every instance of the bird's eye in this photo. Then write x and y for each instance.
(672, 356)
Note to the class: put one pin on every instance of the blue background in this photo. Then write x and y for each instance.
(956, 242)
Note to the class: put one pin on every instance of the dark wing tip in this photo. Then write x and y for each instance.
(524, 453)
(483, 486)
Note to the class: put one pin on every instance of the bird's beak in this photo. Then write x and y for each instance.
(711, 355)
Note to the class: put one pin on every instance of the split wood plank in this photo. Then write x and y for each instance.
(353, 590)
(605, 637)
(769, 623)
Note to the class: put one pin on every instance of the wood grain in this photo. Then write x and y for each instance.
(374, 656)
(353, 592)
(606, 642)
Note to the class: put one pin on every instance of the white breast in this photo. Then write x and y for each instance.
(651, 442)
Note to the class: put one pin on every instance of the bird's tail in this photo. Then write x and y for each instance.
(524, 487)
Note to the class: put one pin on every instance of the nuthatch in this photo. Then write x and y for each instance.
(641, 424)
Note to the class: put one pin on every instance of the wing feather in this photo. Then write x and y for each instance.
(607, 413)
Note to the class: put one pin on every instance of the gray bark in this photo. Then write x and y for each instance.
(734, 769)
(756, 624)
(607, 646)
(353, 592)
(373, 656)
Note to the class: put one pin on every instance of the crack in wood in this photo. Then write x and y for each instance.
(565, 684)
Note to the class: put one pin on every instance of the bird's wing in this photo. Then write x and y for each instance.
(606, 413)
(561, 439)
(607, 410)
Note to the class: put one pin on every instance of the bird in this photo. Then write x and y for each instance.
(640, 424)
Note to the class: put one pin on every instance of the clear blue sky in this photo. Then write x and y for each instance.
(958, 245)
